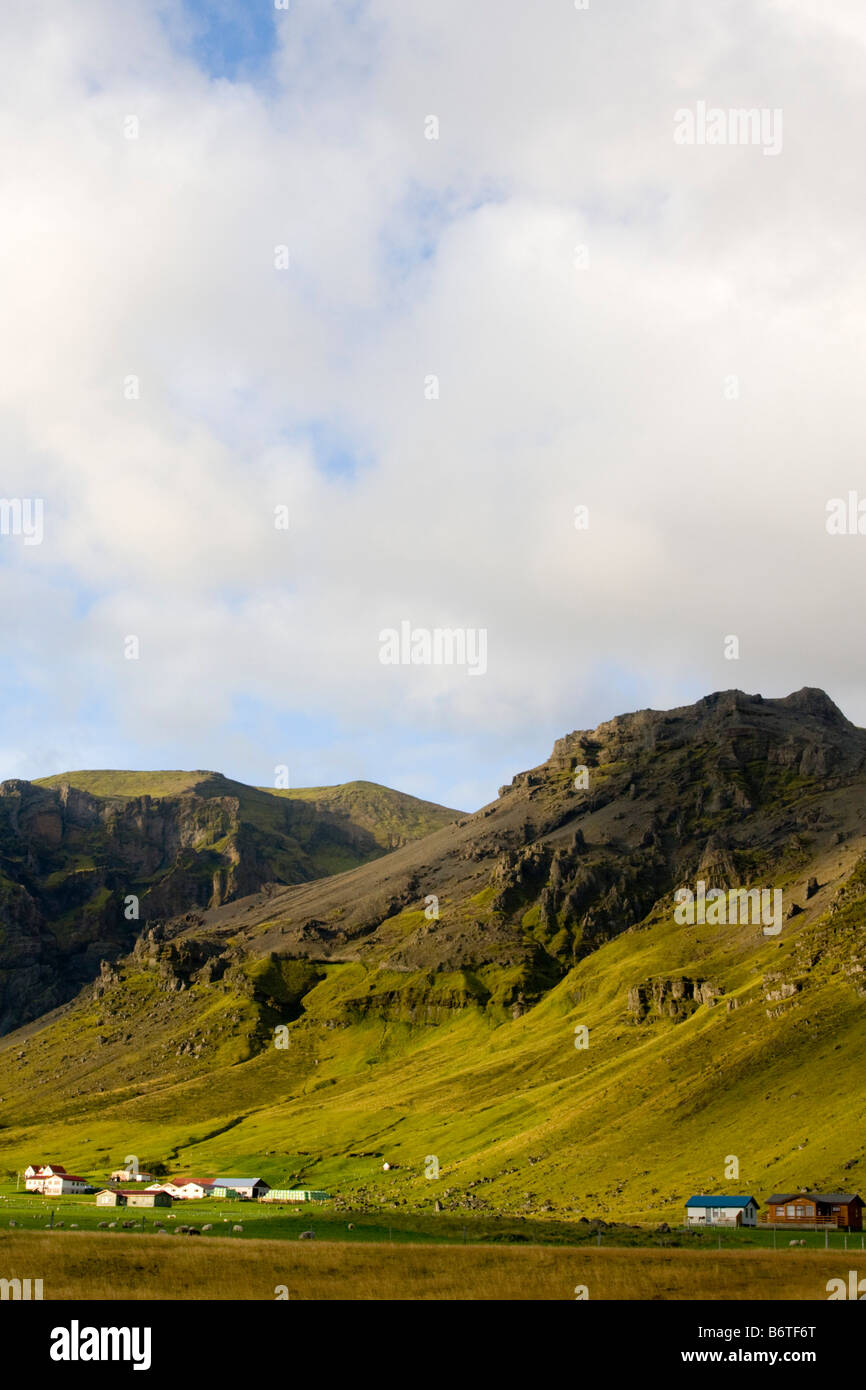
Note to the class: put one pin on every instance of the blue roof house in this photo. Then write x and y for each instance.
(721, 1211)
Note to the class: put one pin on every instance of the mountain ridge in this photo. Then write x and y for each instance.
(86, 856)
(410, 1034)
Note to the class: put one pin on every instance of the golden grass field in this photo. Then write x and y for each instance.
(90, 1266)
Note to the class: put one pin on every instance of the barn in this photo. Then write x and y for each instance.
(110, 1197)
(721, 1211)
(130, 1197)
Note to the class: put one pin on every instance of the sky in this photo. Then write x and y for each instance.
(324, 320)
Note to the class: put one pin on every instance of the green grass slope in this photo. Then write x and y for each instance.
(392, 817)
(718, 1058)
(520, 1120)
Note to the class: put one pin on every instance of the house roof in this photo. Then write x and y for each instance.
(70, 1177)
(722, 1201)
(233, 1182)
(779, 1198)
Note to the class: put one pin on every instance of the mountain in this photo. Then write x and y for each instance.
(75, 849)
(558, 1037)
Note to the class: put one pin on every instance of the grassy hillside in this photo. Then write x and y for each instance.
(115, 783)
(718, 1059)
(392, 817)
(519, 1119)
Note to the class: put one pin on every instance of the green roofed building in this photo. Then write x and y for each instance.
(240, 1187)
(295, 1194)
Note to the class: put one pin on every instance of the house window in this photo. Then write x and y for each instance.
(801, 1211)
(789, 1211)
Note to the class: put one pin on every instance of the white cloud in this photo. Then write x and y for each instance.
(558, 386)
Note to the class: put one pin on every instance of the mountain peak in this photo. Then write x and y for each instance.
(781, 717)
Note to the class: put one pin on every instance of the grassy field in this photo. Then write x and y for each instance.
(84, 1265)
(266, 1221)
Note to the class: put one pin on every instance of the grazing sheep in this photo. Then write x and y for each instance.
(193, 1231)
(112, 1225)
(58, 1225)
(351, 1226)
(101, 1225)
(307, 1235)
(12, 1224)
(208, 1227)
(238, 1228)
(73, 1226)
(793, 1242)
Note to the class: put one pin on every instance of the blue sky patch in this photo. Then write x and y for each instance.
(229, 39)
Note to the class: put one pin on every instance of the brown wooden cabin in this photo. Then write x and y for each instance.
(840, 1210)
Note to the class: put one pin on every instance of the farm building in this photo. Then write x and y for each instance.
(183, 1191)
(130, 1175)
(65, 1183)
(131, 1197)
(840, 1210)
(295, 1194)
(53, 1181)
(110, 1197)
(35, 1175)
(721, 1211)
(144, 1198)
(242, 1187)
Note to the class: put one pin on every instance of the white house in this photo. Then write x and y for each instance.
(722, 1211)
(35, 1175)
(130, 1175)
(192, 1189)
(53, 1180)
(186, 1190)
